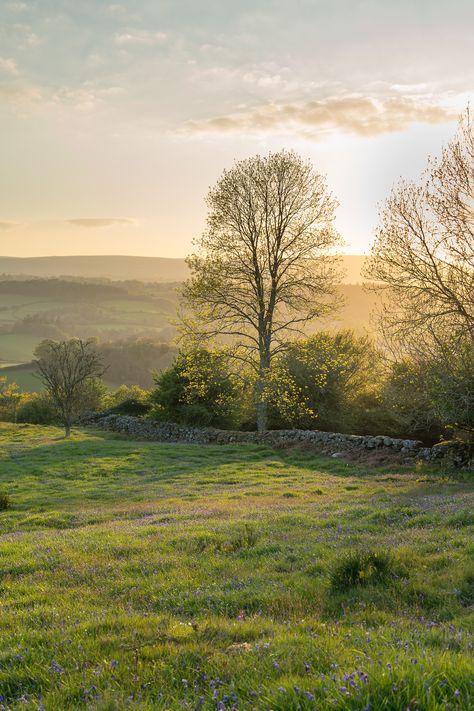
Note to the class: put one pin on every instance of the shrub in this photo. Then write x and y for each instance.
(361, 568)
(37, 410)
(5, 502)
(199, 389)
(132, 407)
(330, 381)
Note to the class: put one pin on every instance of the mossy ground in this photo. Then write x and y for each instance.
(161, 576)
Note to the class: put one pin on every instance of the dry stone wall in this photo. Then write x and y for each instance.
(330, 443)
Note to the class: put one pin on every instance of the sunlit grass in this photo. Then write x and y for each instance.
(162, 576)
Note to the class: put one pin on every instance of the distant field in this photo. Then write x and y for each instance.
(23, 375)
(17, 348)
(149, 576)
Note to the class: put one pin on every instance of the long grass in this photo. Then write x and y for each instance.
(159, 576)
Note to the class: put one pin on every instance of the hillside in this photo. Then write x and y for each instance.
(123, 268)
(164, 576)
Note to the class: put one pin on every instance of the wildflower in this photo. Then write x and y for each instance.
(56, 668)
(307, 667)
(309, 695)
(443, 683)
(114, 664)
(275, 664)
(282, 690)
(457, 693)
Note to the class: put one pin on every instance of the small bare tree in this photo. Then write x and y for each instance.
(423, 256)
(263, 267)
(66, 368)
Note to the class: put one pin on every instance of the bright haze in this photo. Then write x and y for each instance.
(115, 118)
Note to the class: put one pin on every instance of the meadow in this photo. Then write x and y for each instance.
(162, 576)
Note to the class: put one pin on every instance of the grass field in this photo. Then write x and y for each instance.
(17, 347)
(152, 576)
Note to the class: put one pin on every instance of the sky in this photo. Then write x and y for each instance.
(116, 118)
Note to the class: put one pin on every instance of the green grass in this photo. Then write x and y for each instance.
(160, 576)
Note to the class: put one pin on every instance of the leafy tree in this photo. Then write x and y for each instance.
(198, 389)
(262, 269)
(69, 371)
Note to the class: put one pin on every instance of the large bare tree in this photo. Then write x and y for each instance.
(423, 255)
(66, 368)
(263, 267)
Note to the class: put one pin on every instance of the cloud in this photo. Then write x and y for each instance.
(8, 225)
(94, 222)
(8, 66)
(143, 37)
(356, 114)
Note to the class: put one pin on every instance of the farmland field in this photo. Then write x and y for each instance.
(17, 347)
(160, 576)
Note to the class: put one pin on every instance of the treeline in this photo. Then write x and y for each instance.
(337, 382)
(64, 290)
(133, 362)
(330, 381)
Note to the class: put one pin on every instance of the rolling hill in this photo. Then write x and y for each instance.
(121, 267)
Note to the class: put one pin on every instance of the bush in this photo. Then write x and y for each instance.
(361, 568)
(330, 381)
(37, 410)
(199, 389)
(5, 502)
(131, 407)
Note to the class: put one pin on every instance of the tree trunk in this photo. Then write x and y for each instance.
(67, 429)
(262, 405)
(262, 415)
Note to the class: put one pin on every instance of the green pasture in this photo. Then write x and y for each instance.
(159, 576)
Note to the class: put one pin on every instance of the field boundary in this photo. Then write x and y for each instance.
(330, 443)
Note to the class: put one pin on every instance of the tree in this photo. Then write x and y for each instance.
(68, 371)
(262, 269)
(423, 255)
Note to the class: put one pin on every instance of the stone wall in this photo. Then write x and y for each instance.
(330, 443)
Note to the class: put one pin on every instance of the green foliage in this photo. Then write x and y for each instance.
(199, 389)
(133, 361)
(132, 407)
(128, 400)
(329, 381)
(361, 568)
(37, 409)
(427, 395)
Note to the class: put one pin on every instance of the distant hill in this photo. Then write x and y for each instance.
(158, 269)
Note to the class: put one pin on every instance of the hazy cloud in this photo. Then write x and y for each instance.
(8, 225)
(8, 66)
(364, 116)
(143, 37)
(94, 222)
